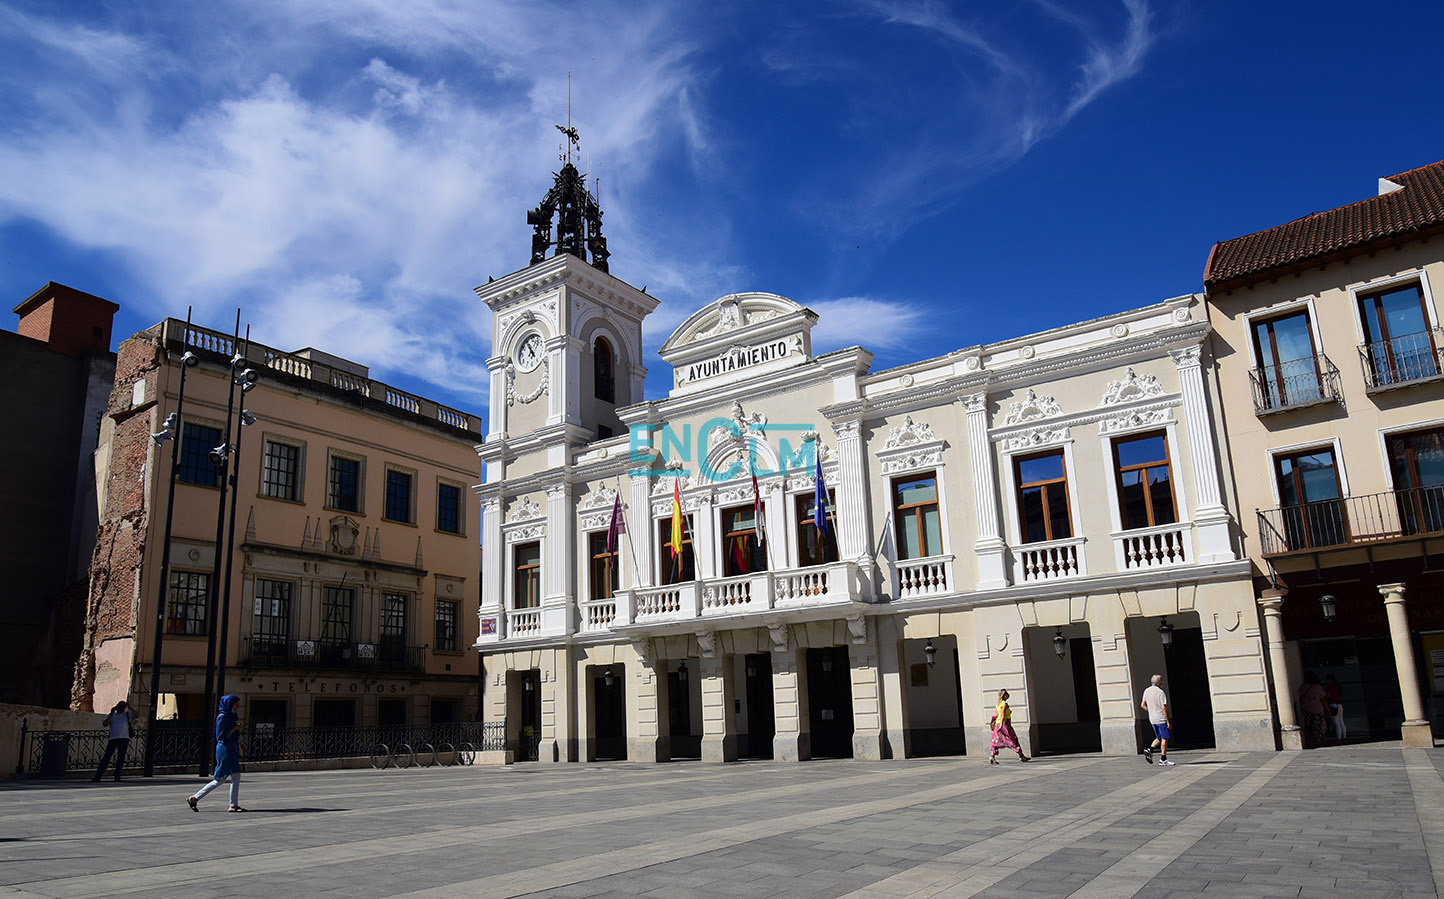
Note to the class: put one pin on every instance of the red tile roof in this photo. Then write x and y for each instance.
(1412, 213)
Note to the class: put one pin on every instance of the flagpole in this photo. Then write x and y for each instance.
(632, 547)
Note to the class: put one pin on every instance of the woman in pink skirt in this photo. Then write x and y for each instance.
(1003, 734)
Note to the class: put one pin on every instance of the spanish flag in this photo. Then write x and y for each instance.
(676, 543)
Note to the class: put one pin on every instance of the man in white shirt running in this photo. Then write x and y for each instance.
(1155, 703)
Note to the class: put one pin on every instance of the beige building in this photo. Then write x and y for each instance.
(354, 579)
(1045, 514)
(1327, 341)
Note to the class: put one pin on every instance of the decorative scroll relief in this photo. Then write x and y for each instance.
(730, 317)
(808, 482)
(603, 497)
(689, 504)
(912, 457)
(523, 510)
(593, 520)
(664, 485)
(909, 433)
(780, 635)
(1035, 439)
(1032, 408)
(1131, 388)
(531, 532)
(1139, 418)
(512, 397)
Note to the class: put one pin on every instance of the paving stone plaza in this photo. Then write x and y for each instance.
(1363, 821)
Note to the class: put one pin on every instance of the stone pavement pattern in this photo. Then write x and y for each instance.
(1347, 821)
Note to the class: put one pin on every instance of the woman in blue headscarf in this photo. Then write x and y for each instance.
(228, 754)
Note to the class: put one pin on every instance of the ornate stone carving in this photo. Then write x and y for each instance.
(781, 635)
(1186, 356)
(1035, 438)
(664, 485)
(1182, 314)
(707, 643)
(978, 402)
(528, 533)
(857, 628)
(729, 317)
(1131, 387)
(1027, 352)
(846, 430)
(344, 532)
(603, 497)
(512, 397)
(972, 363)
(644, 651)
(523, 510)
(556, 491)
(1119, 330)
(930, 458)
(1032, 407)
(906, 380)
(1140, 418)
(909, 433)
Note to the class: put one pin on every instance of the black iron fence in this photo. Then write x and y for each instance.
(56, 752)
(1352, 520)
(1401, 360)
(1290, 385)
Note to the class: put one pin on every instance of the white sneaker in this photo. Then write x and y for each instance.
(1165, 762)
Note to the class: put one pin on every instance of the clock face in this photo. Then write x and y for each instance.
(529, 352)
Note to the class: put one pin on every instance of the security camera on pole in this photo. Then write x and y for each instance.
(171, 432)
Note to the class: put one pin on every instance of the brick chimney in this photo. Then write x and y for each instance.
(70, 321)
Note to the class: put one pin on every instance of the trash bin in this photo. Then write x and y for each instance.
(55, 755)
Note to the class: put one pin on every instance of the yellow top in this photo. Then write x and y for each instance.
(1004, 713)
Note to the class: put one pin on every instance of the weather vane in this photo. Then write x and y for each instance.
(573, 139)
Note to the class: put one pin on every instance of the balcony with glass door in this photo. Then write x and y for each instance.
(1401, 361)
(1295, 384)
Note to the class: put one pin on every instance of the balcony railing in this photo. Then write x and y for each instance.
(1293, 385)
(1401, 361)
(1155, 547)
(727, 596)
(928, 576)
(523, 622)
(1049, 561)
(1352, 520)
(598, 615)
(288, 653)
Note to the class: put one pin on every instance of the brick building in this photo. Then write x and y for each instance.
(353, 585)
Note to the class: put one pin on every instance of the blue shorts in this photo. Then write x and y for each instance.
(1160, 731)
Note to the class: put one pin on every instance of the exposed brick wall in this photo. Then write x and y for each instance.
(112, 605)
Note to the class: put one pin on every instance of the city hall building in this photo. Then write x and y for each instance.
(1046, 514)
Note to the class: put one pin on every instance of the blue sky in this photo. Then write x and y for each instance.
(925, 175)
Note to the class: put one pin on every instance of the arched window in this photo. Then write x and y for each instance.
(605, 385)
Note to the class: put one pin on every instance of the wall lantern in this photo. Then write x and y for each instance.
(527, 685)
(751, 668)
(682, 672)
(826, 663)
(1165, 633)
(1329, 605)
(930, 652)
(1060, 642)
(608, 678)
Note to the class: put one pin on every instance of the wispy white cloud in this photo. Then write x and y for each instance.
(865, 321)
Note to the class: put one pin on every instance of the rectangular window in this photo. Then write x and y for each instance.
(1145, 481)
(1043, 497)
(336, 603)
(742, 553)
(393, 627)
(814, 548)
(398, 496)
(446, 625)
(279, 469)
(603, 581)
(919, 526)
(676, 569)
(345, 484)
(271, 619)
(1398, 345)
(527, 576)
(1417, 462)
(1310, 497)
(186, 610)
(448, 508)
(1288, 365)
(197, 441)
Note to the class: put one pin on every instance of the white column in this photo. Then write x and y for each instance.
(779, 535)
(705, 547)
(559, 562)
(853, 534)
(493, 579)
(1272, 604)
(640, 533)
(497, 407)
(1417, 732)
(564, 359)
(990, 547)
(1215, 543)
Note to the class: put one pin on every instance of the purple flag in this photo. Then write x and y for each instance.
(618, 527)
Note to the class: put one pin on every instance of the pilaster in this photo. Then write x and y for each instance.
(989, 547)
(493, 585)
(852, 499)
(1211, 518)
(559, 558)
(719, 724)
(641, 532)
(894, 688)
(867, 717)
(646, 693)
(791, 741)
(705, 546)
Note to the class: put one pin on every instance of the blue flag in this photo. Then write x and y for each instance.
(820, 500)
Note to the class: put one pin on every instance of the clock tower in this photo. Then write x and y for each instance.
(566, 334)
